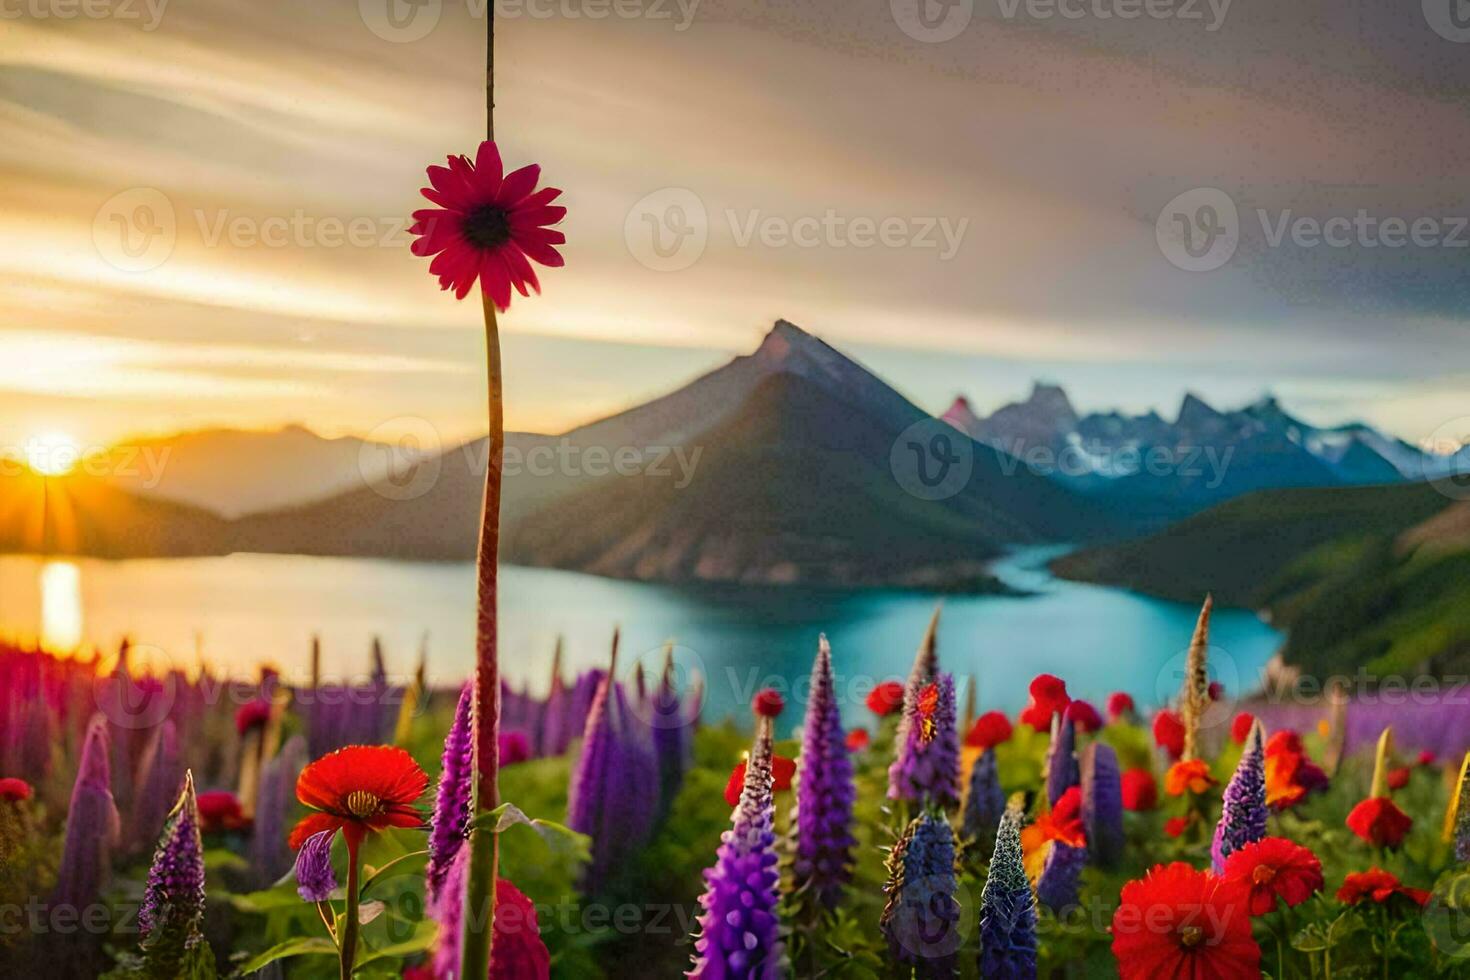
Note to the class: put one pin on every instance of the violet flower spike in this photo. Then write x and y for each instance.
(1243, 818)
(92, 824)
(1062, 772)
(740, 934)
(315, 880)
(927, 767)
(174, 895)
(452, 804)
(1008, 909)
(1060, 876)
(921, 917)
(822, 862)
(1102, 805)
(985, 803)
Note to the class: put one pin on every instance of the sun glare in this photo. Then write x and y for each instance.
(52, 453)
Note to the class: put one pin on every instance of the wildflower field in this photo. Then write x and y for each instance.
(192, 827)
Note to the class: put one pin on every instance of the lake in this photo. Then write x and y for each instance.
(243, 609)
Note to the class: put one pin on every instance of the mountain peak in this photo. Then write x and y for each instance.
(1194, 410)
(1052, 398)
(961, 415)
(783, 340)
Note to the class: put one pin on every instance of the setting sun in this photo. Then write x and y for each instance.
(52, 453)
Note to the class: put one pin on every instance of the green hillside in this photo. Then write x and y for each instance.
(1360, 577)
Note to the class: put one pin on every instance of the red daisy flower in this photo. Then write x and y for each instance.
(358, 790)
(1398, 778)
(857, 739)
(886, 698)
(1169, 733)
(1426, 757)
(1192, 775)
(768, 703)
(783, 770)
(1240, 728)
(1177, 922)
(1275, 867)
(989, 730)
(1175, 826)
(1140, 792)
(489, 225)
(1048, 697)
(14, 790)
(1084, 716)
(1378, 821)
(219, 809)
(1377, 885)
(1120, 703)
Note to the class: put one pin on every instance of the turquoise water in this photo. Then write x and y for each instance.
(243, 609)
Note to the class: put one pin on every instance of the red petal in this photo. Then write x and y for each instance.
(542, 253)
(517, 185)
(495, 279)
(488, 167)
(534, 217)
(311, 824)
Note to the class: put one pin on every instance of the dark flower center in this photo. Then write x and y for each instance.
(1263, 874)
(361, 803)
(1191, 936)
(487, 226)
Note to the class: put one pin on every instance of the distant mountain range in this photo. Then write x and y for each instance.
(782, 466)
(1154, 471)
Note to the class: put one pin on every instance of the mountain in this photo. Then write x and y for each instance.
(1154, 471)
(81, 515)
(776, 467)
(234, 471)
(1373, 577)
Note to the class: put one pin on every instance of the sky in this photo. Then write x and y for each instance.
(203, 204)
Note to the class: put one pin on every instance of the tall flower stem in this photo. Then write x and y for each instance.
(484, 844)
(347, 952)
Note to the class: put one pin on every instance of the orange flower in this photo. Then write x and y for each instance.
(1191, 774)
(359, 790)
(1062, 822)
(1378, 885)
(1272, 868)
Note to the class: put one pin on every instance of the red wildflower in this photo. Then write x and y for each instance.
(1169, 733)
(1062, 822)
(1275, 867)
(886, 698)
(1175, 826)
(14, 790)
(1378, 885)
(514, 747)
(520, 952)
(1379, 822)
(928, 703)
(989, 730)
(1140, 792)
(1398, 778)
(1290, 775)
(358, 790)
(1216, 690)
(768, 703)
(782, 772)
(488, 226)
(1426, 758)
(1048, 697)
(1192, 775)
(1119, 704)
(1084, 716)
(253, 714)
(219, 809)
(857, 739)
(1177, 922)
(1240, 728)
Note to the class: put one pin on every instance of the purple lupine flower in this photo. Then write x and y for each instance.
(1056, 888)
(1008, 909)
(270, 856)
(173, 899)
(92, 825)
(927, 766)
(449, 914)
(740, 934)
(920, 920)
(1062, 772)
(452, 804)
(671, 736)
(1243, 818)
(924, 672)
(824, 792)
(315, 880)
(640, 772)
(552, 738)
(160, 770)
(1102, 805)
(984, 804)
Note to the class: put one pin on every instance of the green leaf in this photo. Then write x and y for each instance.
(560, 838)
(300, 946)
(412, 863)
(276, 897)
(421, 940)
